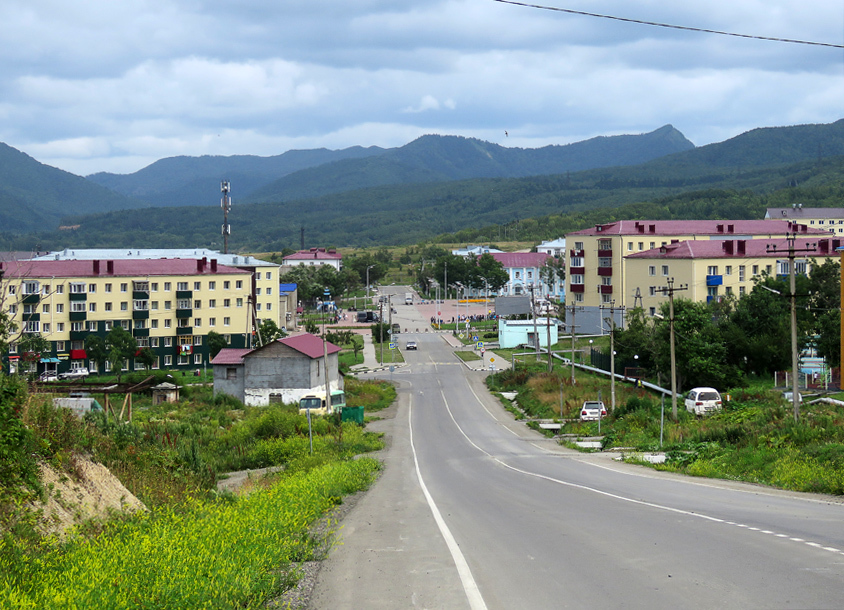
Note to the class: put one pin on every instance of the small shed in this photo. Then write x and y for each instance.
(512, 333)
(165, 392)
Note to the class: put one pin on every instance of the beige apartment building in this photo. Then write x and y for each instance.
(597, 276)
(169, 305)
(712, 270)
(830, 220)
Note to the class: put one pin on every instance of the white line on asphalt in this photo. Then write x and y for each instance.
(473, 594)
(671, 509)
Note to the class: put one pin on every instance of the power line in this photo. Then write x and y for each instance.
(670, 26)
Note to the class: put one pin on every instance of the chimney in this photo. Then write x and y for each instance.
(213, 265)
(110, 267)
(96, 267)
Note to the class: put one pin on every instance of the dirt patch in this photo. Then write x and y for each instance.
(89, 492)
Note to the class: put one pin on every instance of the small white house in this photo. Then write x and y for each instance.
(513, 333)
(315, 257)
(555, 247)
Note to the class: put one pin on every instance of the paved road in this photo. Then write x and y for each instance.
(475, 511)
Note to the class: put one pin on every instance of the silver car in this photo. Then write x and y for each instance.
(701, 401)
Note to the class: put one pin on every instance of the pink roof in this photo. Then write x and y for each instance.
(314, 254)
(230, 355)
(700, 227)
(743, 248)
(521, 259)
(310, 345)
(120, 268)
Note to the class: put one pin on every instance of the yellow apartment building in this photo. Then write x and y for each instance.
(596, 274)
(712, 270)
(169, 305)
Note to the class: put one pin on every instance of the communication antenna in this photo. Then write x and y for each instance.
(226, 204)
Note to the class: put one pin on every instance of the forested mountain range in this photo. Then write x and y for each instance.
(732, 179)
(34, 196)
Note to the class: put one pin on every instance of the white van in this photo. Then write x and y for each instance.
(701, 401)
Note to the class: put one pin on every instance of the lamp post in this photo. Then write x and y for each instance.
(367, 286)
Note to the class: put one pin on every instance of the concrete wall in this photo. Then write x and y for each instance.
(232, 387)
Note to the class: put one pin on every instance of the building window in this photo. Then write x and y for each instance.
(238, 285)
(741, 291)
(652, 270)
(140, 285)
(108, 287)
(630, 246)
(183, 304)
(239, 302)
(167, 286)
(227, 302)
(605, 262)
(153, 305)
(212, 303)
(258, 291)
(124, 286)
(124, 324)
(167, 323)
(257, 307)
(108, 306)
(652, 291)
(231, 373)
(728, 289)
(153, 341)
(197, 340)
(606, 298)
(13, 309)
(140, 323)
(76, 306)
(576, 261)
(226, 285)
(197, 286)
(45, 308)
(269, 291)
(712, 270)
(605, 244)
(212, 285)
(728, 270)
(227, 321)
(665, 270)
(59, 308)
(653, 311)
(92, 307)
(168, 360)
(269, 306)
(124, 306)
(606, 281)
(140, 305)
(77, 287)
(108, 325)
(228, 339)
(59, 327)
(168, 305)
(92, 287)
(197, 322)
(578, 245)
(197, 358)
(212, 322)
(576, 279)
(741, 271)
(153, 287)
(77, 327)
(181, 285)
(45, 328)
(153, 323)
(755, 269)
(641, 246)
(197, 304)
(32, 287)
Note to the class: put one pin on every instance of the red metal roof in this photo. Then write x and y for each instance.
(521, 259)
(119, 268)
(314, 254)
(310, 345)
(744, 248)
(700, 227)
(230, 355)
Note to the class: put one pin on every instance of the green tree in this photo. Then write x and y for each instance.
(31, 347)
(95, 348)
(490, 273)
(216, 342)
(121, 346)
(269, 331)
(146, 357)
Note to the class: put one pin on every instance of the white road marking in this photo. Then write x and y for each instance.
(617, 496)
(473, 593)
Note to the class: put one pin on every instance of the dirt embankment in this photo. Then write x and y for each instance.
(90, 492)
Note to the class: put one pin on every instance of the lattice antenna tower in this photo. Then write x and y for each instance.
(226, 204)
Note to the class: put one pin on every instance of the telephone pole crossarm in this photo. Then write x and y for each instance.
(670, 290)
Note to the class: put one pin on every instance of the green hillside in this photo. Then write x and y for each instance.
(34, 196)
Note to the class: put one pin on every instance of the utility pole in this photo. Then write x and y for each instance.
(670, 290)
(572, 344)
(381, 326)
(612, 351)
(226, 204)
(792, 283)
(548, 339)
(533, 315)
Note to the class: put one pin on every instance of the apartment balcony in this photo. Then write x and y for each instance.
(184, 330)
(605, 289)
(605, 271)
(714, 280)
(577, 271)
(184, 294)
(140, 332)
(576, 252)
(140, 314)
(182, 314)
(78, 296)
(140, 295)
(604, 253)
(29, 299)
(31, 317)
(78, 316)
(577, 288)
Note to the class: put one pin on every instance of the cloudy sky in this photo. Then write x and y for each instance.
(106, 85)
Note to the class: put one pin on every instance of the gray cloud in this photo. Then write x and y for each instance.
(94, 85)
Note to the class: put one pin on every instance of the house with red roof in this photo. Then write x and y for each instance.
(315, 257)
(280, 372)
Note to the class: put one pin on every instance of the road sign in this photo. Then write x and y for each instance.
(392, 346)
(475, 338)
(491, 359)
(480, 345)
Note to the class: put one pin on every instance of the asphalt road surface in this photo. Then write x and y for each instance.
(474, 510)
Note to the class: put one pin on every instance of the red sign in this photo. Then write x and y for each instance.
(78, 354)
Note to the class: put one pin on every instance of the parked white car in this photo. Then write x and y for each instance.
(592, 410)
(74, 374)
(701, 401)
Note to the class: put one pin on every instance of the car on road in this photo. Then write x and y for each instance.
(701, 401)
(81, 373)
(410, 345)
(592, 410)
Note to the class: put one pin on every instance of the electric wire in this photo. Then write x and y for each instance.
(669, 25)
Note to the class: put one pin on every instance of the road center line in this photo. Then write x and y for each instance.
(607, 494)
